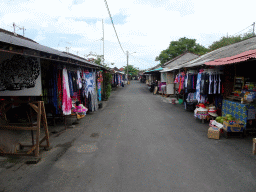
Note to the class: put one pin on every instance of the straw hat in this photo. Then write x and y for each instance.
(213, 111)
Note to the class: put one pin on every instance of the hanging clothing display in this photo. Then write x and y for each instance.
(89, 83)
(67, 102)
(204, 87)
(219, 86)
(198, 86)
(180, 79)
(53, 89)
(59, 89)
(99, 80)
(74, 81)
(79, 80)
(70, 83)
(95, 96)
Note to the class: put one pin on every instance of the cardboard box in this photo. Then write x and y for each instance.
(237, 127)
(213, 133)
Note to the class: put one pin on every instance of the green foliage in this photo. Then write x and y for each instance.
(177, 48)
(224, 41)
(107, 78)
(98, 61)
(131, 70)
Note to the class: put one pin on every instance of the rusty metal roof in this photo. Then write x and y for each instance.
(223, 52)
(234, 59)
(13, 40)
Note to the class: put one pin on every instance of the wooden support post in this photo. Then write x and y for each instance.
(38, 129)
(254, 146)
(38, 106)
(45, 124)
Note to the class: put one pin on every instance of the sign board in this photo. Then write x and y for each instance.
(20, 76)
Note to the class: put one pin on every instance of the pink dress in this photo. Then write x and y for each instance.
(66, 99)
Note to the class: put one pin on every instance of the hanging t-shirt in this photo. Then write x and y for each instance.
(215, 84)
(79, 80)
(204, 84)
(74, 81)
(219, 87)
(70, 84)
(210, 84)
(198, 86)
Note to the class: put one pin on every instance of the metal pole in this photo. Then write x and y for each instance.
(103, 40)
(253, 28)
(127, 66)
(14, 27)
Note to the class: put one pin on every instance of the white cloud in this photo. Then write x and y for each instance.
(149, 26)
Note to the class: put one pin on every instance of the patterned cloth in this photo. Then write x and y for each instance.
(237, 110)
(67, 102)
(198, 85)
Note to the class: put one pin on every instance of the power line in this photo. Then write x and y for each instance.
(243, 29)
(114, 26)
(143, 60)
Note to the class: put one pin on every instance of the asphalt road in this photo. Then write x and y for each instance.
(144, 144)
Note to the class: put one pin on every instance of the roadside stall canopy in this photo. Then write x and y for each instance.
(154, 70)
(158, 69)
(234, 59)
(165, 70)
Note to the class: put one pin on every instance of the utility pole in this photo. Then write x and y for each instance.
(103, 40)
(14, 28)
(14, 25)
(253, 28)
(127, 66)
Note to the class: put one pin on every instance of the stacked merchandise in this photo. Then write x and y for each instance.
(201, 112)
(214, 130)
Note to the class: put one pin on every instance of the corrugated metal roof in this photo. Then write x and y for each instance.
(185, 57)
(6, 38)
(223, 52)
(234, 59)
(165, 70)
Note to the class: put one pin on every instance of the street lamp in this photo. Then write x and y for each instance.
(127, 64)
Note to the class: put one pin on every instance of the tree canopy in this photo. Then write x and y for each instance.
(176, 48)
(224, 41)
(131, 70)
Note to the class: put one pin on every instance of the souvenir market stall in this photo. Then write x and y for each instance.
(209, 89)
(37, 82)
(200, 86)
(117, 79)
(240, 102)
(239, 93)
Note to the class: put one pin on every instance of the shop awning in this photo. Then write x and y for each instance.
(165, 70)
(234, 59)
(158, 69)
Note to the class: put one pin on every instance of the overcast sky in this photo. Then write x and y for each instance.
(143, 26)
